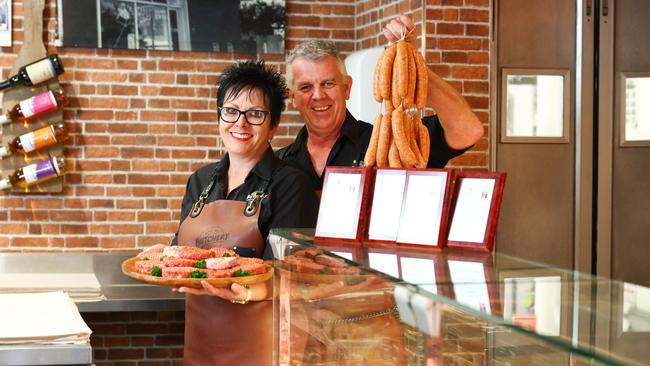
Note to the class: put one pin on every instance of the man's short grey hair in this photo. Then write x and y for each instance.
(314, 50)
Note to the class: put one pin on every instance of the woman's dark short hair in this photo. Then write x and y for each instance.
(254, 75)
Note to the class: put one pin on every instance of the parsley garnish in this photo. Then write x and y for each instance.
(241, 273)
(156, 271)
(226, 255)
(200, 264)
(324, 271)
(144, 258)
(198, 274)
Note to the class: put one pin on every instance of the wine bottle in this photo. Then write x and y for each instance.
(35, 106)
(38, 172)
(35, 140)
(35, 73)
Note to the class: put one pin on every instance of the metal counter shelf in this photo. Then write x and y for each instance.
(118, 293)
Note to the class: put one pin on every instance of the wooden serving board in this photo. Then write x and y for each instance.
(32, 50)
(128, 268)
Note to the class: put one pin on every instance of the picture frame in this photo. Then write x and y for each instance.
(247, 26)
(385, 205)
(5, 23)
(342, 211)
(401, 206)
(535, 105)
(634, 86)
(475, 210)
(425, 207)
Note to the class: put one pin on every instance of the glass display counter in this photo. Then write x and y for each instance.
(381, 304)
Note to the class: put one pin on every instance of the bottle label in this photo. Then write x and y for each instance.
(40, 71)
(38, 104)
(38, 139)
(38, 171)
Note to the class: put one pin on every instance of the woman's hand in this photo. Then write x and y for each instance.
(400, 28)
(235, 292)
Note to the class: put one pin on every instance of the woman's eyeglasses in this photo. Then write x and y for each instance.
(253, 116)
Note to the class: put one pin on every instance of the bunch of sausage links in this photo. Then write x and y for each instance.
(399, 139)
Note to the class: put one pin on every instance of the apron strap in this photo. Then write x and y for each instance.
(198, 205)
(253, 200)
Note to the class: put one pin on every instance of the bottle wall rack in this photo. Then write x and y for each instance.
(33, 49)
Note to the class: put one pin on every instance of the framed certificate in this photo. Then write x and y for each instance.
(424, 214)
(385, 205)
(342, 206)
(475, 209)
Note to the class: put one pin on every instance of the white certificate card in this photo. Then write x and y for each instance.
(386, 204)
(469, 221)
(422, 208)
(338, 215)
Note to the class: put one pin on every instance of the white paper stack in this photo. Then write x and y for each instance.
(41, 318)
(80, 286)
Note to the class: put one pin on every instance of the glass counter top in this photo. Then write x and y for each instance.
(522, 304)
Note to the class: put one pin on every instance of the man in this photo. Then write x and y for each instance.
(318, 88)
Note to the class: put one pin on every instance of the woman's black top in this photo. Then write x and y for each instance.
(291, 201)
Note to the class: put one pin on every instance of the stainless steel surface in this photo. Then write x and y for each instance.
(121, 292)
(69, 354)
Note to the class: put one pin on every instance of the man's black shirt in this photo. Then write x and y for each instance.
(351, 146)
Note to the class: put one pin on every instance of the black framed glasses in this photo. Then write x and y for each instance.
(253, 116)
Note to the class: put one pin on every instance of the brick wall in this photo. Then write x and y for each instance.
(142, 121)
(140, 338)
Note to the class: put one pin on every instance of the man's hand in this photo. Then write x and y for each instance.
(401, 27)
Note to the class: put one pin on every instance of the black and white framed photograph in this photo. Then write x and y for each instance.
(245, 26)
(5, 23)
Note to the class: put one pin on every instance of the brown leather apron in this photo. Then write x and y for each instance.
(218, 332)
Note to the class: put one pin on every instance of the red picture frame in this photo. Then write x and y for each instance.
(373, 205)
(395, 209)
(342, 211)
(475, 210)
(412, 207)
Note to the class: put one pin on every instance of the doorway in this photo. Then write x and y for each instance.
(571, 91)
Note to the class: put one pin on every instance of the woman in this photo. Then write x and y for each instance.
(233, 203)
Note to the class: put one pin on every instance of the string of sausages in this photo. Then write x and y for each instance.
(399, 139)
